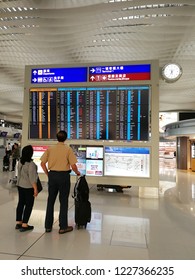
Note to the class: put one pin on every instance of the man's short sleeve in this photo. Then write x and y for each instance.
(44, 157)
(71, 157)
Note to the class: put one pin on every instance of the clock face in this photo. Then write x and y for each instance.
(171, 72)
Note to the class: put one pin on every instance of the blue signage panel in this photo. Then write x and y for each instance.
(3, 133)
(59, 75)
(119, 69)
(119, 73)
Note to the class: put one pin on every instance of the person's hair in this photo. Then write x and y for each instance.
(27, 153)
(61, 136)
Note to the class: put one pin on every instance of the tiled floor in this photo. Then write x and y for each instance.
(123, 226)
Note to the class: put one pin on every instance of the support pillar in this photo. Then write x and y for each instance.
(182, 152)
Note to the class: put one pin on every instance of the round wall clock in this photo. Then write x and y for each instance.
(171, 72)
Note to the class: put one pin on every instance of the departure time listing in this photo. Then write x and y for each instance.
(109, 113)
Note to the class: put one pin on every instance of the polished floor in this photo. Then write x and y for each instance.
(123, 226)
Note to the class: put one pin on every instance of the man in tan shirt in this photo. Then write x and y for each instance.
(60, 159)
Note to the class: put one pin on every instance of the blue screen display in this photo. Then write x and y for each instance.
(59, 75)
(120, 69)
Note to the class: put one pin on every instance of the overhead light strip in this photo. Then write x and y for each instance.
(142, 17)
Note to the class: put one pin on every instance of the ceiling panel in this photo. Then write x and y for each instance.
(87, 31)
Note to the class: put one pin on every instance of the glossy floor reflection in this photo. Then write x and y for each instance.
(123, 226)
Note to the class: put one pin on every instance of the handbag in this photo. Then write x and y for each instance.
(39, 185)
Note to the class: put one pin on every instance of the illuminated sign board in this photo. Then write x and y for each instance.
(37, 153)
(59, 75)
(16, 135)
(114, 73)
(3, 133)
(119, 73)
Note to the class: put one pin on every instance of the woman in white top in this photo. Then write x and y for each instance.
(27, 188)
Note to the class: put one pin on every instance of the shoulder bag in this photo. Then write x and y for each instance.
(39, 185)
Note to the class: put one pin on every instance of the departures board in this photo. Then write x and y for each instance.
(99, 113)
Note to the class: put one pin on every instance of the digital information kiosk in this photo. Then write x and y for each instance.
(110, 112)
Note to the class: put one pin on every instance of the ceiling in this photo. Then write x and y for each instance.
(34, 32)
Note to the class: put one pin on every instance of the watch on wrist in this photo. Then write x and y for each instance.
(171, 72)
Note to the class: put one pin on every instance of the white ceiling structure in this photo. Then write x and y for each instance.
(34, 32)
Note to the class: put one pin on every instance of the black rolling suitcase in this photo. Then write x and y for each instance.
(82, 204)
(6, 163)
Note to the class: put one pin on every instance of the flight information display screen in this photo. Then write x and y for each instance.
(100, 113)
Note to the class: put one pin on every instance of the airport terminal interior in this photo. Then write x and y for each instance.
(125, 225)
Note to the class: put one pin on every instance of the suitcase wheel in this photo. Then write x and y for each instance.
(77, 226)
(81, 226)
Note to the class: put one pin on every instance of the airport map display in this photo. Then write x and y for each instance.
(127, 161)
